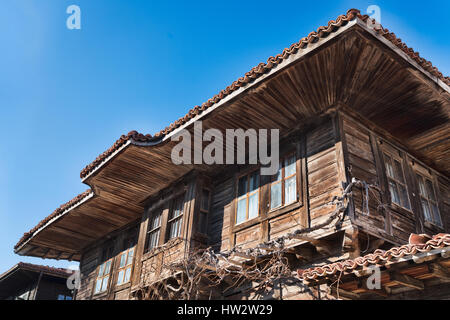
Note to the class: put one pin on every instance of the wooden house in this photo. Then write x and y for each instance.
(364, 139)
(26, 281)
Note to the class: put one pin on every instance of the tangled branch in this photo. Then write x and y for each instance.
(205, 272)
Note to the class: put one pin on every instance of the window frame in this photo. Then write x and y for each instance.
(103, 276)
(421, 197)
(203, 212)
(282, 181)
(247, 195)
(179, 200)
(155, 230)
(396, 157)
(127, 266)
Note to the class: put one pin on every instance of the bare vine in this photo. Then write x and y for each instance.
(205, 273)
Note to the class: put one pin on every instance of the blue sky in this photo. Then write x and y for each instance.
(67, 95)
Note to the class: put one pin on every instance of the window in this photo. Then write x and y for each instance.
(104, 271)
(248, 197)
(428, 200)
(126, 262)
(283, 189)
(204, 209)
(154, 230)
(176, 218)
(396, 181)
(63, 297)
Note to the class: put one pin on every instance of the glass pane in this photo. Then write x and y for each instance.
(105, 284)
(241, 210)
(278, 176)
(175, 228)
(421, 186)
(130, 256)
(394, 192)
(98, 286)
(290, 190)
(436, 215)
(177, 209)
(242, 186)
(68, 298)
(123, 258)
(153, 239)
(253, 207)
(60, 297)
(289, 166)
(156, 221)
(403, 196)
(275, 195)
(102, 268)
(398, 173)
(426, 210)
(120, 277)
(254, 181)
(205, 200)
(108, 267)
(430, 190)
(127, 275)
(389, 169)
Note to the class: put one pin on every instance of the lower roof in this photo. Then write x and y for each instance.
(424, 258)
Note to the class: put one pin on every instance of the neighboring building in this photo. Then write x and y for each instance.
(26, 281)
(364, 141)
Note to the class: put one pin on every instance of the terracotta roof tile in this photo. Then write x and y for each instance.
(54, 214)
(263, 68)
(417, 244)
(60, 272)
(46, 269)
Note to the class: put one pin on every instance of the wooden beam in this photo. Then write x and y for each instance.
(207, 266)
(243, 255)
(267, 248)
(44, 255)
(304, 253)
(362, 283)
(58, 256)
(228, 260)
(322, 246)
(344, 294)
(439, 271)
(408, 281)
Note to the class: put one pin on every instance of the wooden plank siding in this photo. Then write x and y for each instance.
(366, 162)
(329, 152)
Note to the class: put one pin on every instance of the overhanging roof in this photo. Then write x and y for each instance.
(345, 63)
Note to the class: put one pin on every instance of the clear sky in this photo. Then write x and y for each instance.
(67, 95)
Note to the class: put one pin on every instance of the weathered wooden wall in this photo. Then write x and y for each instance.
(364, 144)
(92, 259)
(321, 173)
(330, 151)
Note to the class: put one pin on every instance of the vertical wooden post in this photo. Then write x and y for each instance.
(382, 179)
